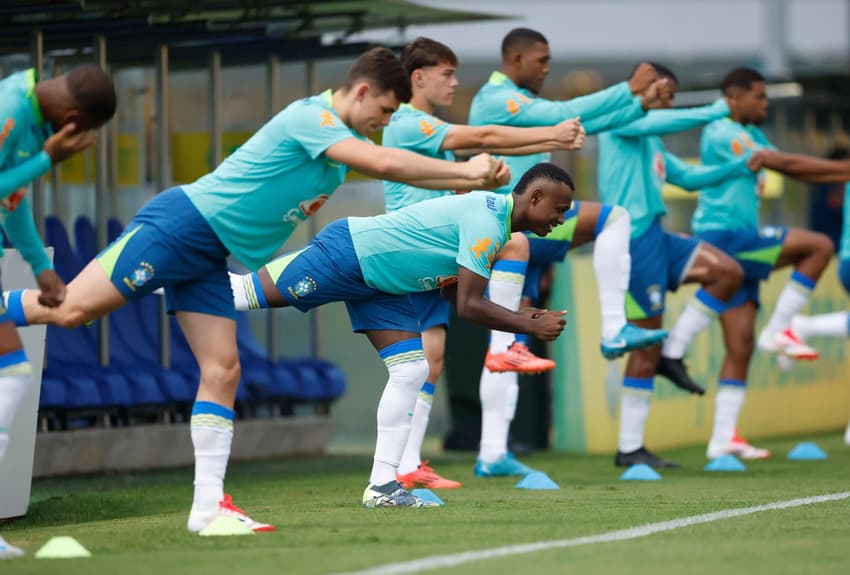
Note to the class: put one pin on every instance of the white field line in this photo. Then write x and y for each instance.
(455, 559)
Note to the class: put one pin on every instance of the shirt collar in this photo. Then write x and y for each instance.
(32, 80)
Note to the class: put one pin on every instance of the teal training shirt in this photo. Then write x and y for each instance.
(256, 198)
(734, 203)
(23, 133)
(502, 102)
(845, 230)
(419, 247)
(412, 129)
(634, 165)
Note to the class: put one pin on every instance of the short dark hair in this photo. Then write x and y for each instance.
(424, 52)
(93, 93)
(545, 171)
(742, 78)
(382, 70)
(519, 39)
(662, 70)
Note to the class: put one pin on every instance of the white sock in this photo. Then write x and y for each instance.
(791, 300)
(498, 392)
(212, 435)
(634, 410)
(727, 407)
(247, 292)
(408, 370)
(15, 377)
(612, 265)
(412, 456)
(505, 289)
(835, 324)
(698, 315)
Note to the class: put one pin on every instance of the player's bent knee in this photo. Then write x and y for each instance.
(516, 248)
(224, 375)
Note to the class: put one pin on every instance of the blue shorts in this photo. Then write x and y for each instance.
(844, 274)
(660, 262)
(757, 250)
(169, 244)
(328, 270)
(431, 309)
(542, 254)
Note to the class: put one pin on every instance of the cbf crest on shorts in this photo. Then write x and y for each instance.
(653, 293)
(140, 276)
(302, 288)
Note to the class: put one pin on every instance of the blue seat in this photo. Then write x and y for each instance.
(52, 396)
(85, 236)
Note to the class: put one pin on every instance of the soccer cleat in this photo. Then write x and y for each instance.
(786, 342)
(506, 466)
(847, 435)
(738, 447)
(677, 372)
(517, 358)
(392, 494)
(631, 337)
(197, 520)
(425, 476)
(9, 551)
(643, 455)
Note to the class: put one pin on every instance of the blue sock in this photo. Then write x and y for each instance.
(15, 306)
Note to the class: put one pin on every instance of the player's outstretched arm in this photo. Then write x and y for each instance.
(472, 304)
(482, 172)
(693, 178)
(806, 168)
(662, 122)
(509, 141)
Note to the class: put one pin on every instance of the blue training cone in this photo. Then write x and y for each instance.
(640, 472)
(726, 462)
(807, 450)
(536, 480)
(428, 495)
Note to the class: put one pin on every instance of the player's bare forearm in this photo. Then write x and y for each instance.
(807, 168)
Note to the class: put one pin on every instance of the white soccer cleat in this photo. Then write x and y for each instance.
(197, 520)
(740, 448)
(847, 435)
(787, 343)
(9, 551)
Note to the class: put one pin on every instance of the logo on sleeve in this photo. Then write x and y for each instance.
(485, 249)
(327, 120)
(512, 106)
(8, 126)
(12, 201)
(491, 203)
(140, 276)
(426, 128)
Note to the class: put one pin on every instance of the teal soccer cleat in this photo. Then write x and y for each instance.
(631, 337)
(505, 466)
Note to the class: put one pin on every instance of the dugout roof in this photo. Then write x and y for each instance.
(243, 30)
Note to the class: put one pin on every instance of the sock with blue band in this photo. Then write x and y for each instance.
(697, 316)
(505, 289)
(211, 427)
(727, 408)
(794, 296)
(412, 456)
(634, 410)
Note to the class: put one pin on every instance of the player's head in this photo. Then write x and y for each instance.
(85, 96)
(378, 83)
(525, 58)
(667, 74)
(544, 193)
(746, 93)
(432, 68)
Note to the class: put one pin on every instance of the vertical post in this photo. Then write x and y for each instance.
(315, 314)
(775, 46)
(37, 60)
(163, 178)
(215, 107)
(101, 199)
(55, 198)
(272, 102)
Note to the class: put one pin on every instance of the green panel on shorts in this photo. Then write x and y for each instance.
(109, 257)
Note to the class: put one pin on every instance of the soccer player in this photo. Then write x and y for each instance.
(372, 264)
(247, 207)
(633, 167)
(432, 67)
(727, 217)
(510, 98)
(43, 123)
